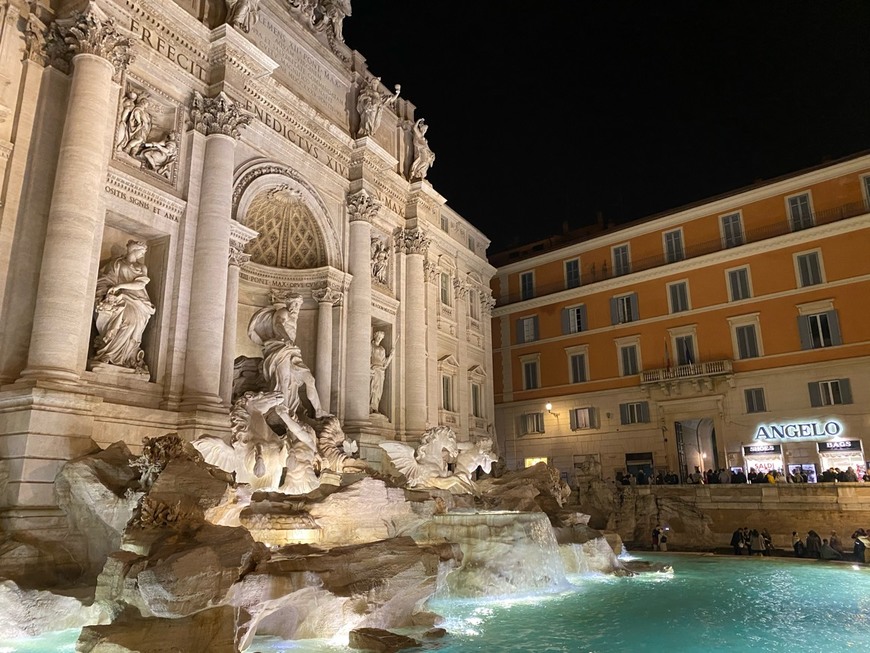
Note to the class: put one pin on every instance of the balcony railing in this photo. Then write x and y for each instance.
(592, 273)
(686, 372)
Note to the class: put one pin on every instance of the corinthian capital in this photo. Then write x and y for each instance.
(362, 206)
(412, 241)
(217, 115)
(87, 32)
(327, 295)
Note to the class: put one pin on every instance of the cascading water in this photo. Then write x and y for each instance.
(503, 553)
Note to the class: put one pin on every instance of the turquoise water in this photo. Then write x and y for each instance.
(707, 604)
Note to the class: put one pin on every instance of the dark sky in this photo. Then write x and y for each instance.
(542, 113)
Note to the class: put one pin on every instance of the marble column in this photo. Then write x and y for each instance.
(64, 304)
(220, 120)
(239, 237)
(361, 208)
(414, 244)
(326, 298)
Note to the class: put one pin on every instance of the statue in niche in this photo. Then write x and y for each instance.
(424, 158)
(380, 256)
(242, 14)
(134, 127)
(370, 105)
(428, 466)
(274, 329)
(380, 361)
(123, 310)
(160, 155)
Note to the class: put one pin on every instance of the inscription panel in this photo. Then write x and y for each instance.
(300, 70)
(134, 193)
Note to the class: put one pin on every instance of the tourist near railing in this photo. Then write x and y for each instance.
(592, 273)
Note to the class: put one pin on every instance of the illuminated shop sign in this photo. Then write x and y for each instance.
(840, 445)
(762, 449)
(799, 430)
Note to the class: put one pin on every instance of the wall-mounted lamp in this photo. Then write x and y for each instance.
(549, 408)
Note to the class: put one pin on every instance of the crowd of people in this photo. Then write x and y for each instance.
(737, 475)
(754, 542)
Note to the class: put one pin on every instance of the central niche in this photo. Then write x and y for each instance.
(289, 237)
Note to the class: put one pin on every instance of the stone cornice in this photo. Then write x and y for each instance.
(304, 282)
(231, 48)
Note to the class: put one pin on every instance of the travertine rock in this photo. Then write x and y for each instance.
(27, 613)
(379, 640)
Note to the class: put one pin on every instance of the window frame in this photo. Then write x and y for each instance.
(634, 412)
(674, 245)
(445, 224)
(528, 363)
(527, 290)
(738, 322)
(820, 398)
(523, 324)
(729, 285)
(729, 240)
(591, 420)
(812, 313)
(445, 288)
(571, 323)
(531, 423)
(448, 399)
(476, 395)
(810, 216)
(755, 400)
(618, 250)
(618, 312)
(684, 283)
(569, 278)
(578, 351)
(814, 255)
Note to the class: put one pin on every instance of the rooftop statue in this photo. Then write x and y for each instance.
(370, 105)
(242, 14)
(427, 467)
(424, 158)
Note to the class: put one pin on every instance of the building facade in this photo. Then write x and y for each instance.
(169, 170)
(733, 333)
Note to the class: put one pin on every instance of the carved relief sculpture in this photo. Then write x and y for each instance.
(380, 361)
(160, 155)
(424, 158)
(132, 136)
(123, 310)
(274, 329)
(325, 15)
(380, 257)
(370, 105)
(242, 14)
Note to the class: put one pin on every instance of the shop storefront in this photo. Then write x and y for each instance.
(763, 457)
(842, 454)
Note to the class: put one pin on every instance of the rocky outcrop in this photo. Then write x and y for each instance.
(533, 489)
(27, 613)
(380, 641)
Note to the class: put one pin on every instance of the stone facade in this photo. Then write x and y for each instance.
(234, 153)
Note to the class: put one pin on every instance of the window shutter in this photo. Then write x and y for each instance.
(520, 332)
(593, 418)
(614, 311)
(846, 391)
(573, 419)
(815, 394)
(635, 312)
(804, 331)
(566, 321)
(583, 324)
(834, 324)
(644, 411)
(623, 413)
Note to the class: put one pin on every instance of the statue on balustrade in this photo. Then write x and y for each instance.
(123, 310)
(424, 158)
(274, 329)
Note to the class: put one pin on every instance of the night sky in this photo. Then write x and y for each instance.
(542, 114)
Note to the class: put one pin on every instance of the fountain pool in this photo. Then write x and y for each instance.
(708, 604)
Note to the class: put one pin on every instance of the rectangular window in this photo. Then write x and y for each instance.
(471, 244)
(578, 368)
(447, 392)
(799, 212)
(866, 182)
(527, 285)
(572, 273)
(634, 413)
(445, 224)
(732, 230)
(527, 329)
(747, 341)
(755, 400)
(530, 375)
(445, 289)
(809, 269)
(819, 330)
(624, 309)
(738, 284)
(674, 246)
(621, 263)
(473, 305)
(628, 359)
(830, 393)
(574, 319)
(582, 418)
(476, 400)
(685, 350)
(532, 423)
(678, 294)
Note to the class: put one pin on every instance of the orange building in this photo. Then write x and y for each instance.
(733, 333)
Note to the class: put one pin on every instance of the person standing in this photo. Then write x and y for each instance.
(737, 541)
(814, 545)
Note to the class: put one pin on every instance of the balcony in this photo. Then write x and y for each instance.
(590, 273)
(668, 378)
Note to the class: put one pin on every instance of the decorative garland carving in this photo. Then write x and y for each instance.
(217, 115)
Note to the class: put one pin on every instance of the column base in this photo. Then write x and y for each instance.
(58, 374)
